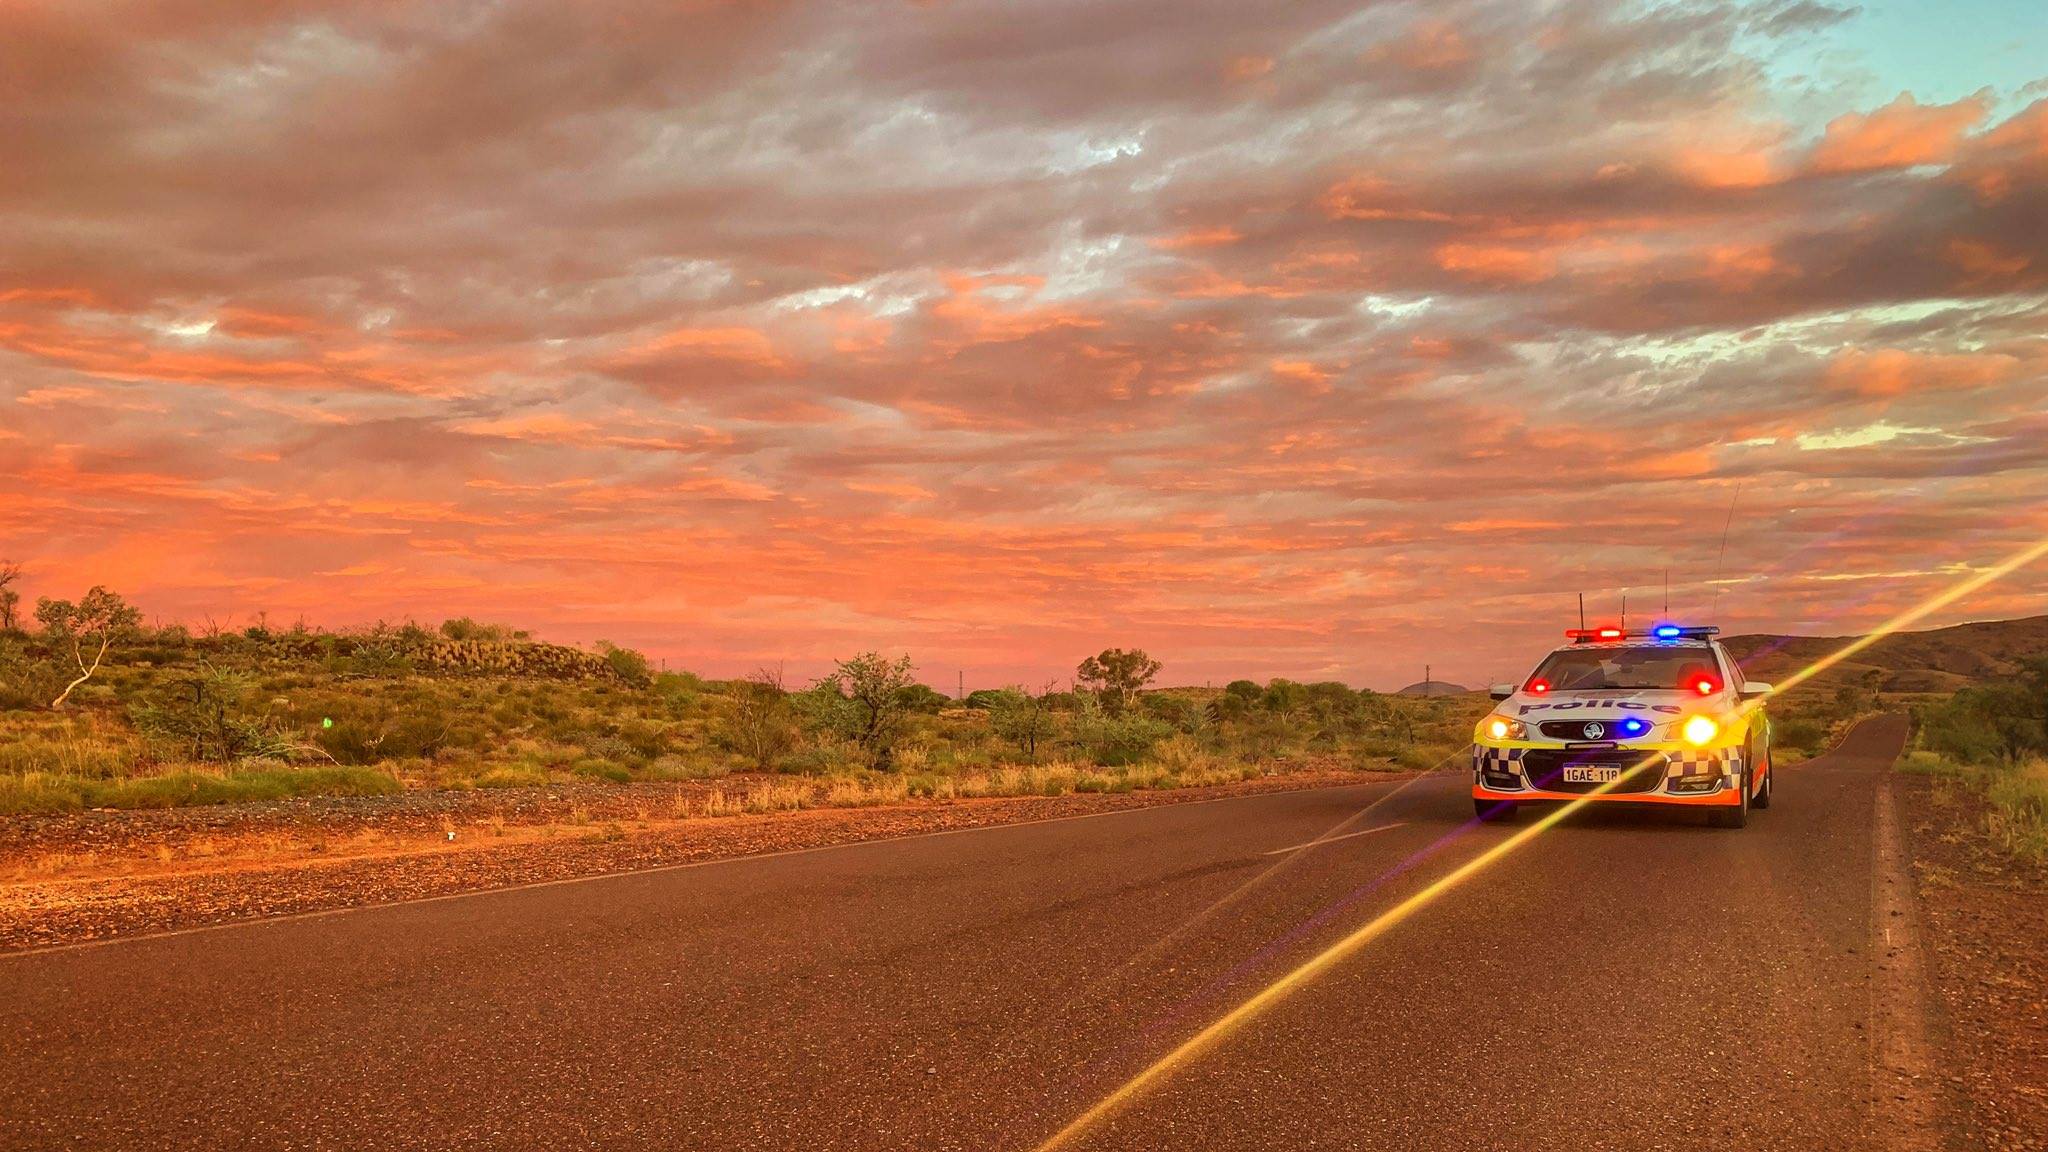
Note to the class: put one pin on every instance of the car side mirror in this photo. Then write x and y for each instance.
(1501, 691)
(1751, 690)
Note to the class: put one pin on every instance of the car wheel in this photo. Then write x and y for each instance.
(1762, 799)
(1737, 816)
(1493, 811)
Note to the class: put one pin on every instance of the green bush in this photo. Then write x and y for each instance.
(513, 776)
(1117, 740)
(627, 664)
(602, 769)
(210, 716)
(922, 698)
(1800, 734)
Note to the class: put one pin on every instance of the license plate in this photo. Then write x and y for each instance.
(1591, 773)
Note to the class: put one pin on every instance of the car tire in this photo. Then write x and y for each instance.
(1493, 811)
(1762, 799)
(1737, 816)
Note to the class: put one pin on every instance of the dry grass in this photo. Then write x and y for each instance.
(57, 792)
(2018, 820)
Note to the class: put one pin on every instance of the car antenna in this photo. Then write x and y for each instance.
(1624, 611)
(1582, 611)
(1720, 562)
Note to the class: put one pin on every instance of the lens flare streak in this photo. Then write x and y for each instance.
(1227, 1024)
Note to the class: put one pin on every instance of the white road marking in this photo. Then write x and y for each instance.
(1334, 839)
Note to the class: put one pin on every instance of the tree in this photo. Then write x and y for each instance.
(759, 723)
(874, 691)
(92, 625)
(10, 600)
(1116, 676)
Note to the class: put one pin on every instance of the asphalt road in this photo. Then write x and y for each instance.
(1622, 981)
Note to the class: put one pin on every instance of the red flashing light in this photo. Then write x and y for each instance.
(1594, 634)
(1538, 686)
(1705, 686)
(1610, 633)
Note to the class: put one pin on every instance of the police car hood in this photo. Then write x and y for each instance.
(1655, 704)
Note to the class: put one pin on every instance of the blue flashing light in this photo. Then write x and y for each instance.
(1667, 632)
(1631, 726)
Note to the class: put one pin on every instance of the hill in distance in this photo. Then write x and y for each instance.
(1938, 660)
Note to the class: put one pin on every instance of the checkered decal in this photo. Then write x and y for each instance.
(1724, 762)
(1508, 760)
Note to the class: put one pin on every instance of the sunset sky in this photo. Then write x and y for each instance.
(1317, 340)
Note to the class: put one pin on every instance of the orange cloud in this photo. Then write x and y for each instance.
(1303, 373)
(1897, 372)
(1199, 238)
(1733, 168)
(1902, 134)
(1497, 263)
(623, 342)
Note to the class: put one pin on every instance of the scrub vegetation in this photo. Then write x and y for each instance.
(1808, 719)
(172, 716)
(1993, 738)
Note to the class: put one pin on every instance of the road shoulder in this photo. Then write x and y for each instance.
(61, 899)
(1985, 922)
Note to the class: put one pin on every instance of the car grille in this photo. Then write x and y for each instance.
(1545, 769)
(1576, 730)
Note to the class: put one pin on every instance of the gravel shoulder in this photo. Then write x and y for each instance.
(83, 877)
(1985, 917)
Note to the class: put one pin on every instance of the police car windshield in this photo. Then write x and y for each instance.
(1596, 669)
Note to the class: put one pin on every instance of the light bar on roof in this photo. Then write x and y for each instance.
(1660, 632)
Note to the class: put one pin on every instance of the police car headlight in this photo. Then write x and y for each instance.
(1503, 728)
(1699, 731)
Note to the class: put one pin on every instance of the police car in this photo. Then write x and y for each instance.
(1659, 717)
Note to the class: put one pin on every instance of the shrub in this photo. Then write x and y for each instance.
(464, 628)
(1022, 719)
(599, 767)
(368, 729)
(2000, 720)
(27, 680)
(862, 702)
(626, 664)
(923, 698)
(2018, 819)
(1176, 711)
(1800, 734)
(1180, 754)
(207, 717)
(1111, 739)
(758, 721)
